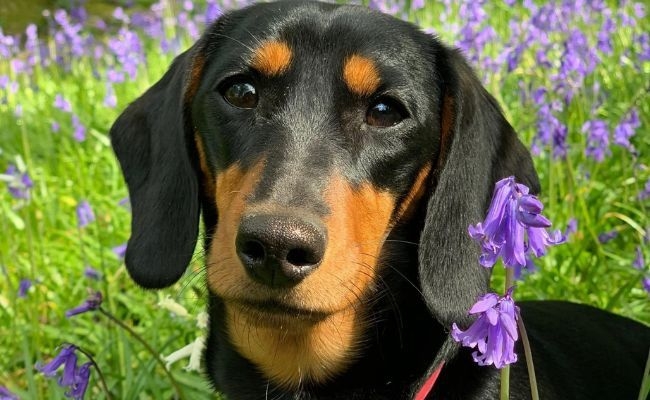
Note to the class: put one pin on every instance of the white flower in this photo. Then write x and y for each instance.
(171, 305)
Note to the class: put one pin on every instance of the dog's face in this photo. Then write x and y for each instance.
(309, 135)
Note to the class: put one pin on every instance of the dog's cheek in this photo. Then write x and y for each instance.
(226, 275)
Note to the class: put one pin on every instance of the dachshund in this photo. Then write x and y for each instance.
(336, 156)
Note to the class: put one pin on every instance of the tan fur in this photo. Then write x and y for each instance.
(446, 123)
(418, 189)
(291, 349)
(360, 75)
(291, 354)
(208, 180)
(272, 58)
(194, 81)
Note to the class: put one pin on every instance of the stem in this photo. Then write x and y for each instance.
(505, 371)
(529, 359)
(102, 381)
(156, 356)
(505, 383)
(645, 383)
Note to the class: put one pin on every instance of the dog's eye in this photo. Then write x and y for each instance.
(384, 113)
(240, 94)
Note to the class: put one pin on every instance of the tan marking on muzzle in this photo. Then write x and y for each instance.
(234, 185)
(272, 58)
(360, 75)
(289, 356)
(287, 349)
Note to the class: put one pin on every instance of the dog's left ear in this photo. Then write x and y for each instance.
(477, 148)
(153, 141)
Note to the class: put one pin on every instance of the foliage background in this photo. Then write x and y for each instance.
(573, 78)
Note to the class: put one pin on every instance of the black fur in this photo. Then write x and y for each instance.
(307, 126)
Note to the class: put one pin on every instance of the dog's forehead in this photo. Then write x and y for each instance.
(273, 35)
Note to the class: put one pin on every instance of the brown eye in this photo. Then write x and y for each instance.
(240, 94)
(384, 113)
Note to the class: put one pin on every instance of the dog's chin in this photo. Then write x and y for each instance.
(276, 314)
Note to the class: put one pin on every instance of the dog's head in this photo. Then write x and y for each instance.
(309, 135)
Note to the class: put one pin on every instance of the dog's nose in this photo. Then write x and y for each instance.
(279, 251)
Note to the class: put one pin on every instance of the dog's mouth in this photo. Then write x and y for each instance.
(273, 312)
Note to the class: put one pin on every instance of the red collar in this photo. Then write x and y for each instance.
(428, 384)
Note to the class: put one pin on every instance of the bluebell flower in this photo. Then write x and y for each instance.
(514, 228)
(645, 193)
(626, 129)
(23, 287)
(120, 251)
(92, 303)
(85, 214)
(18, 183)
(61, 103)
(6, 394)
(494, 332)
(597, 139)
(607, 236)
(79, 129)
(66, 356)
(73, 377)
(91, 273)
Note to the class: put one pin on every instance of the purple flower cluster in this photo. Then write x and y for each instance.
(514, 228)
(74, 377)
(19, 183)
(85, 214)
(494, 332)
(93, 302)
(639, 264)
(5, 394)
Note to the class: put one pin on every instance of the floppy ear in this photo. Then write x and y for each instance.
(478, 147)
(152, 139)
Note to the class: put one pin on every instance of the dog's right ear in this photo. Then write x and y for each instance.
(153, 141)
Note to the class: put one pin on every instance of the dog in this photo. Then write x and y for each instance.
(337, 156)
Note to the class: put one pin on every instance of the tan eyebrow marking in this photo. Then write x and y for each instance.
(360, 75)
(272, 58)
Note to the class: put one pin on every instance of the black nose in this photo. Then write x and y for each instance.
(279, 251)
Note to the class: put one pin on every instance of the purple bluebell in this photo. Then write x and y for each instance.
(81, 379)
(85, 214)
(212, 12)
(55, 127)
(597, 139)
(110, 99)
(6, 394)
(79, 133)
(92, 273)
(550, 130)
(514, 228)
(61, 103)
(642, 40)
(571, 227)
(120, 251)
(494, 332)
(19, 183)
(645, 193)
(626, 129)
(638, 262)
(607, 236)
(23, 287)
(93, 302)
(73, 377)
(66, 356)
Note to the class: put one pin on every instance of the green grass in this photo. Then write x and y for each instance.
(41, 240)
